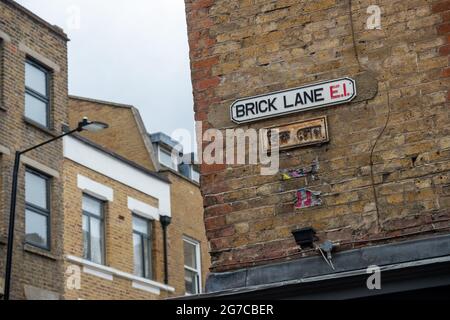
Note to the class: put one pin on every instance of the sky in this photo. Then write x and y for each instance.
(133, 52)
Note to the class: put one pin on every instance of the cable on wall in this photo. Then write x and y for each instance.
(388, 117)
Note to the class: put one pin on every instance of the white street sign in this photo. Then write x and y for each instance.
(279, 103)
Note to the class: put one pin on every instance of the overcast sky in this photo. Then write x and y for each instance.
(133, 52)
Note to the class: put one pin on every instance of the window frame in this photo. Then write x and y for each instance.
(102, 219)
(174, 165)
(193, 172)
(37, 95)
(198, 257)
(46, 212)
(149, 239)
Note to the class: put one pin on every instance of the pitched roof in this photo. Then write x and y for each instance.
(139, 124)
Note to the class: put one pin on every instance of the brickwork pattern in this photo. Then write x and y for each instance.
(187, 221)
(242, 48)
(120, 120)
(32, 267)
(118, 237)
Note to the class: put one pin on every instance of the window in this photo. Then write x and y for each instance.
(37, 93)
(195, 175)
(93, 230)
(37, 209)
(142, 235)
(165, 157)
(192, 273)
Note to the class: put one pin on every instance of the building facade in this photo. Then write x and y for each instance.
(369, 175)
(96, 217)
(113, 235)
(32, 109)
(187, 249)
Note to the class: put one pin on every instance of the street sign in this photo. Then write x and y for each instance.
(295, 100)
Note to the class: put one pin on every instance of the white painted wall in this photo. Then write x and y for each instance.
(120, 171)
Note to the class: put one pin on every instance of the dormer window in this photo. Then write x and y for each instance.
(165, 158)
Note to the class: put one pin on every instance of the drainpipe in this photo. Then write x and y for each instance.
(165, 222)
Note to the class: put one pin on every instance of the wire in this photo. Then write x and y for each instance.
(325, 258)
(388, 117)
(375, 196)
(353, 35)
(352, 242)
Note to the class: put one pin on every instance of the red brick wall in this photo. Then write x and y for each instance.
(244, 48)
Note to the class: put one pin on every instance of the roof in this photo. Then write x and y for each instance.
(162, 138)
(139, 123)
(300, 277)
(120, 158)
(109, 103)
(55, 29)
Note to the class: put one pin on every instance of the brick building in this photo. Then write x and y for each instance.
(33, 103)
(90, 209)
(117, 241)
(376, 182)
(129, 143)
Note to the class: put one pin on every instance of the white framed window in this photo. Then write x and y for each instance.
(165, 158)
(192, 267)
(142, 247)
(93, 229)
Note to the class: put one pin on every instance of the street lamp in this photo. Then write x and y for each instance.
(85, 124)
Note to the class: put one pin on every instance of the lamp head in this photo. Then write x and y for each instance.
(165, 220)
(91, 126)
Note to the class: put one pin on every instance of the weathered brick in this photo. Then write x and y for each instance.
(47, 44)
(270, 46)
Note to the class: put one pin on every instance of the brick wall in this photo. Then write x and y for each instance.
(118, 238)
(187, 221)
(24, 34)
(123, 135)
(243, 48)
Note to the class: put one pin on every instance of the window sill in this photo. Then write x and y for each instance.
(108, 273)
(39, 126)
(40, 252)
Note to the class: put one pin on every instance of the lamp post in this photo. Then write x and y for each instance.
(85, 124)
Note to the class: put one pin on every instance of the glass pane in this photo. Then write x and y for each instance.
(166, 159)
(93, 206)
(35, 79)
(85, 237)
(190, 282)
(195, 176)
(190, 255)
(140, 225)
(36, 190)
(36, 228)
(148, 259)
(35, 109)
(96, 241)
(137, 245)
